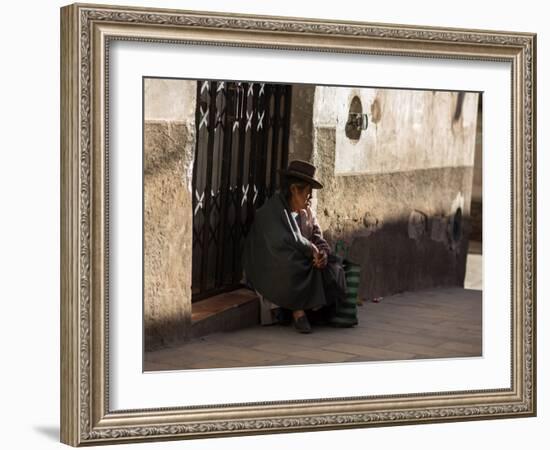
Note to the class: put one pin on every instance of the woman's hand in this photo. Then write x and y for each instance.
(316, 253)
(321, 261)
(319, 258)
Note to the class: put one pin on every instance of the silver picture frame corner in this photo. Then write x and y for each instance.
(86, 31)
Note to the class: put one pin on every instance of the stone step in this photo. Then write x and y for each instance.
(225, 312)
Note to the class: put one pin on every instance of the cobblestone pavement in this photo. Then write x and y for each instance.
(436, 323)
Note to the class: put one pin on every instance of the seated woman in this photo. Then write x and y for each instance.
(285, 256)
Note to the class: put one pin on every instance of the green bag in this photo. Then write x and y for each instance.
(345, 314)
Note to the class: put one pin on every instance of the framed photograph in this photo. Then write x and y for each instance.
(276, 224)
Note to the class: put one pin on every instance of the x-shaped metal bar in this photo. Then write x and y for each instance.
(200, 199)
(249, 120)
(245, 194)
(255, 195)
(204, 117)
(260, 121)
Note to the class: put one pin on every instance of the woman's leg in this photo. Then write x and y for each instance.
(300, 321)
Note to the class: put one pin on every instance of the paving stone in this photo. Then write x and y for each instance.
(324, 355)
(368, 352)
(463, 348)
(425, 351)
(283, 348)
(216, 364)
(150, 366)
(436, 323)
(296, 360)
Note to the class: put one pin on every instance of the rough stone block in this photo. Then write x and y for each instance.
(418, 223)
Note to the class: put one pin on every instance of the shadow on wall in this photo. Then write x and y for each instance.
(164, 332)
(408, 230)
(406, 255)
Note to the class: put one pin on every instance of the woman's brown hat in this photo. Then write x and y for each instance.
(303, 171)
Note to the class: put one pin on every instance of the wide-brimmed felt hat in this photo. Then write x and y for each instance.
(303, 171)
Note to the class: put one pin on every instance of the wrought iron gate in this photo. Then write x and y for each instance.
(242, 141)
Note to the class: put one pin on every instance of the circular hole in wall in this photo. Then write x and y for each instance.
(457, 225)
(353, 131)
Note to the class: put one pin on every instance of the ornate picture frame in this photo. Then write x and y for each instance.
(87, 32)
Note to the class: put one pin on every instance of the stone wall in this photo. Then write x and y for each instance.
(169, 146)
(403, 217)
(408, 129)
(300, 145)
(477, 190)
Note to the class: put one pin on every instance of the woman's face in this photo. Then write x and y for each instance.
(301, 197)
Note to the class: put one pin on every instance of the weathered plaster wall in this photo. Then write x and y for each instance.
(300, 145)
(477, 190)
(169, 145)
(398, 225)
(409, 129)
(397, 211)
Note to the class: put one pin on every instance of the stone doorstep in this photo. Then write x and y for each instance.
(224, 312)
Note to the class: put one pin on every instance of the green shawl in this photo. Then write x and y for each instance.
(278, 260)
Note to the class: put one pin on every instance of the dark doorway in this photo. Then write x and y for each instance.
(242, 140)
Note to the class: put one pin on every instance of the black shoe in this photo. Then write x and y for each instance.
(284, 316)
(302, 325)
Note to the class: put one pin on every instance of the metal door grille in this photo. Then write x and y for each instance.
(242, 141)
